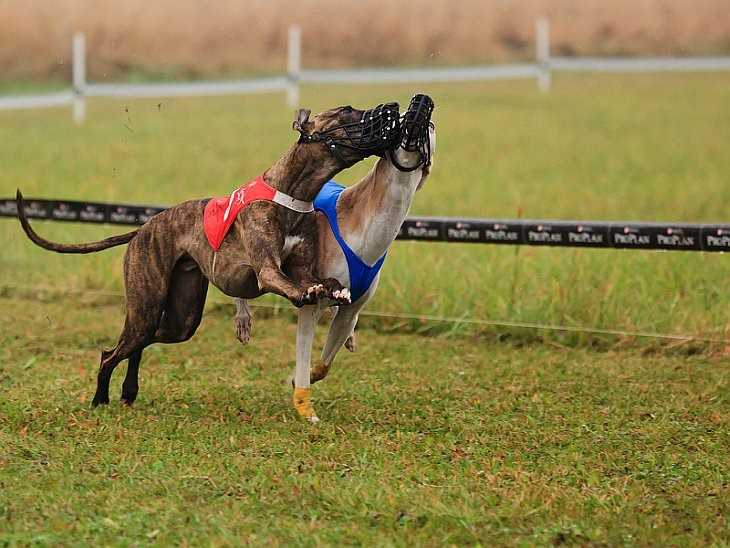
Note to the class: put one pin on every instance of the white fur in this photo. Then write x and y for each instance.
(289, 243)
(306, 324)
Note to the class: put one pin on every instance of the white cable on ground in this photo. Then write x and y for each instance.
(423, 317)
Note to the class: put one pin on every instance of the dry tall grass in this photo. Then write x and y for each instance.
(199, 37)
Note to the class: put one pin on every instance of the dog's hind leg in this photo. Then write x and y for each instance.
(180, 318)
(147, 271)
(242, 321)
(130, 342)
(184, 304)
(130, 387)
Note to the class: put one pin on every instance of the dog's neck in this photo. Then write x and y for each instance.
(372, 211)
(302, 171)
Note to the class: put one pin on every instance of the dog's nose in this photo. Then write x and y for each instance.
(421, 102)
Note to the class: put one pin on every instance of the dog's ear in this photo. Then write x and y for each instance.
(426, 170)
(301, 120)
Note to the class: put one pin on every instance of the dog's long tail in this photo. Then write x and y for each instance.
(67, 248)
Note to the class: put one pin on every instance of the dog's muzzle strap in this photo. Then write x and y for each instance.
(289, 202)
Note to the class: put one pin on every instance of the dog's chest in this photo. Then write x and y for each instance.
(290, 242)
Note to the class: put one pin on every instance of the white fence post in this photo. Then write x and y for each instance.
(542, 42)
(294, 65)
(79, 78)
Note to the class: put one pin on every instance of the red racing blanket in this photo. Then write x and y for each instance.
(220, 213)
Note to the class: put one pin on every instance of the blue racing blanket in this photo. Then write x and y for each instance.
(361, 273)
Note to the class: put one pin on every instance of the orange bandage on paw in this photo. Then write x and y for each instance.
(302, 403)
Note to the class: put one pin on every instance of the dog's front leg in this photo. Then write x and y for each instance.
(273, 280)
(301, 265)
(341, 328)
(306, 326)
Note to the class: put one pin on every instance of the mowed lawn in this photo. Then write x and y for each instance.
(431, 434)
(424, 441)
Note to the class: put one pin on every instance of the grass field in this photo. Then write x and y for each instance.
(425, 441)
(432, 434)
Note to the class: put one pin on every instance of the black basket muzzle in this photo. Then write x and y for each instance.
(376, 132)
(415, 131)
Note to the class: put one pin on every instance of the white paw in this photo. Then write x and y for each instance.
(313, 419)
(342, 295)
(315, 289)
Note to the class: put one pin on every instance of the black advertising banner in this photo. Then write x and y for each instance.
(82, 212)
(458, 230)
(424, 229)
(502, 232)
(680, 237)
(593, 234)
(715, 238)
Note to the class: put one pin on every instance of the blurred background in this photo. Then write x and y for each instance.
(197, 38)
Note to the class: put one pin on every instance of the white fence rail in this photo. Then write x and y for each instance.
(233, 87)
(641, 64)
(541, 71)
(405, 76)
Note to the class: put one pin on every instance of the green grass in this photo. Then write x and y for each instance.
(432, 434)
(636, 147)
(425, 441)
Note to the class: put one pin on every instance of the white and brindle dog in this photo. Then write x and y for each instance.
(369, 215)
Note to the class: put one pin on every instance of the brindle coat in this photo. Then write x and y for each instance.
(169, 262)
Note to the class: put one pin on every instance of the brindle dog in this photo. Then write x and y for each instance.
(169, 262)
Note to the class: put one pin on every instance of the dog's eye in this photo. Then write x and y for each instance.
(347, 109)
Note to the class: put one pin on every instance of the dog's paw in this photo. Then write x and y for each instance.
(242, 327)
(318, 372)
(337, 292)
(313, 294)
(303, 405)
(351, 343)
(342, 296)
(100, 400)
